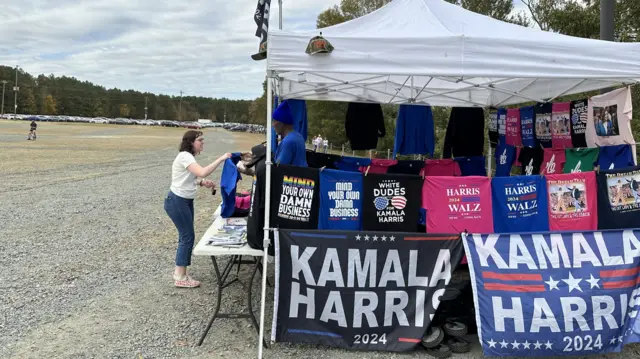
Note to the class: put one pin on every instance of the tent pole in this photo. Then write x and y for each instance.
(489, 161)
(267, 202)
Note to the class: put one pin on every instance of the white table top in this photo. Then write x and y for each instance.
(202, 249)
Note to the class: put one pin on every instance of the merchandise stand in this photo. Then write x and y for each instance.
(440, 55)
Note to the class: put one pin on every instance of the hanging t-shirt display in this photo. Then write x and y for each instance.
(502, 125)
(553, 161)
(619, 198)
(505, 156)
(456, 204)
(390, 203)
(513, 131)
(295, 197)
(378, 166)
(407, 167)
(579, 113)
(615, 157)
(340, 200)
(609, 119)
(573, 203)
(493, 127)
(543, 124)
(352, 164)
(319, 160)
(445, 167)
(580, 159)
(530, 160)
(527, 118)
(472, 166)
(520, 204)
(561, 125)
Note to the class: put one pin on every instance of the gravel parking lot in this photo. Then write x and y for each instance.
(87, 250)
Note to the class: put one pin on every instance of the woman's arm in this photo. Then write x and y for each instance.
(202, 172)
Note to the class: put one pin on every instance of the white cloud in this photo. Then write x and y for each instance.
(202, 47)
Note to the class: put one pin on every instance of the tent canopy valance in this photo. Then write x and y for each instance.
(432, 52)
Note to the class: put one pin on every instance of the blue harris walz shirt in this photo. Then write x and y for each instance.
(291, 151)
(527, 121)
(519, 204)
(340, 200)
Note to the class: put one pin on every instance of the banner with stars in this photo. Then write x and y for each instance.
(555, 294)
(360, 290)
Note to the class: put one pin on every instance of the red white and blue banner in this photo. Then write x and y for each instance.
(363, 290)
(555, 294)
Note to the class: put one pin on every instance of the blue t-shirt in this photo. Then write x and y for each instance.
(472, 166)
(340, 200)
(527, 121)
(228, 180)
(502, 125)
(352, 164)
(291, 151)
(414, 131)
(505, 156)
(615, 157)
(519, 204)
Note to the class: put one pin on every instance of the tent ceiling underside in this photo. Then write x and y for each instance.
(433, 91)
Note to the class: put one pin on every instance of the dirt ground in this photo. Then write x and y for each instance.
(87, 251)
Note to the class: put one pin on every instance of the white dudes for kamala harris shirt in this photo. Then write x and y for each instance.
(183, 182)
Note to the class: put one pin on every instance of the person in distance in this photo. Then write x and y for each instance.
(186, 176)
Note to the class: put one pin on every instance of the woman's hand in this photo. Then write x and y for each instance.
(208, 184)
(225, 156)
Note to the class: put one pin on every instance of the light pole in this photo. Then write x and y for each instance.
(15, 95)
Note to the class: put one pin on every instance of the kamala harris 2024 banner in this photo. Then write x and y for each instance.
(556, 294)
(363, 290)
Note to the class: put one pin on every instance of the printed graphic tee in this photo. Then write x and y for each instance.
(340, 200)
(573, 202)
(609, 119)
(619, 198)
(561, 125)
(295, 197)
(390, 203)
(530, 160)
(456, 204)
(472, 166)
(615, 157)
(446, 167)
(579, 113)
(493, 127)
(505, 156)
(502, 125)
(580, 159)
(513, 131)
(553, 161)
(527, 119)
(520, 204)
(543, 124)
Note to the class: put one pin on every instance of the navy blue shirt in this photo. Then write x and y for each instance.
(291, 151)
(519, 204)
(505, 156)
(352, 164)
(472, 166)
(615, 157)
(340, 200)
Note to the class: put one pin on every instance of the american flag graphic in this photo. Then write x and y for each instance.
(381, 203)
(399, 202)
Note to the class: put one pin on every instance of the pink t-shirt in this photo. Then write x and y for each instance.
(573, 202)
(553, 162)
(514, 132)
(458, 204)
(609, 120)
(560, 125)
(378, 166)
(446, 167)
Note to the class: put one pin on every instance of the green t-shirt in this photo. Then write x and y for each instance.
(580, 159)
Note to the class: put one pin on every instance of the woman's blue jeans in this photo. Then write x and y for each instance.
(180, 210)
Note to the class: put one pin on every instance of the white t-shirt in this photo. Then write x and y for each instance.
(183, 182)
(325, 143)
(609, 119)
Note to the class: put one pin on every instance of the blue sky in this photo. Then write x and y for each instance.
(202, 47)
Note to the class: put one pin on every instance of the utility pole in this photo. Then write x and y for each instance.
(145, 108)
(180, 108)
(607, 26)
(15, 96)
(4, 83)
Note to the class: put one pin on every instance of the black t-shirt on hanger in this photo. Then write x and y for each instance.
(255, 221)
(579, 114)
(319, 160)
(543, 125)
(391, 202)
(619, 198)
(493, 127)
(531, 160)
(407, 167)
(295, 197)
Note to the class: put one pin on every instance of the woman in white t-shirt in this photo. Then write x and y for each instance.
(179, 201)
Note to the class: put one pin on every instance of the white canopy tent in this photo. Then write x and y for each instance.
(434, 53)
